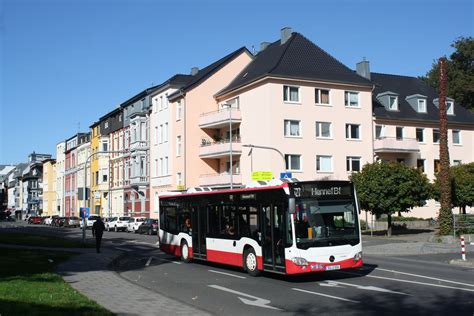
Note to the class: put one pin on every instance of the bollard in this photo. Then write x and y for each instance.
(463, 251)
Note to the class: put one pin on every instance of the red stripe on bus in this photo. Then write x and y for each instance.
(292, 268)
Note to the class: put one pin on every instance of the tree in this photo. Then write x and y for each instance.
(459, 71)
(462, 185)
(389, 187)
(445, 217)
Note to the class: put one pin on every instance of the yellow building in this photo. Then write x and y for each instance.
(50, 196)
(99, 172)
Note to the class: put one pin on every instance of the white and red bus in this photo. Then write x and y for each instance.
(283, 227)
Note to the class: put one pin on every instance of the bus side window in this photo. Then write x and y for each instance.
(213, 212)
(253, 220)
(244, 226)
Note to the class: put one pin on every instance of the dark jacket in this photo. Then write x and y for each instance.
(98, 228)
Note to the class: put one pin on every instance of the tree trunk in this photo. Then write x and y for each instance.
(445, 218)
(389, 225)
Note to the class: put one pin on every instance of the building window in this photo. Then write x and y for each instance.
(420, 164)
(178, 145)
(323, 130)
(351, 99)
(420, 135)
(437, 165)
(156, 135)
(291, 94)
(165, 104)
(379, 131)
(179, 178)
(165, 133)
(436, 136)
(166, 169)
(292, 128)
(143, 104)
(353, 164)
(457, 162)
(321, 96)
(392, 103)
(105, 146)
(352, 131)
(421, 105)
(160, 169)
(104, 178)
(456, 137)
(160, 103)
(160, 135)
(399, 132)
(106, 124)
(324, 163)
(293, 162)
(449, 108)
(178, 110)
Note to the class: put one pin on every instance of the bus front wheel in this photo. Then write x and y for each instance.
(185, 252)
(250, 262)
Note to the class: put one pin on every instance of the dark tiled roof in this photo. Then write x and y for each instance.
(405, 86)
(297, 58)
(206, 72)
(178, 80)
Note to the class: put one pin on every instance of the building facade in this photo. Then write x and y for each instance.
(50, 196)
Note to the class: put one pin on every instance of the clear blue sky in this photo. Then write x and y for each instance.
(65, 63)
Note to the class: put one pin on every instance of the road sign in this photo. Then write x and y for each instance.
(262, 175)
(286, 175)
(84, 212)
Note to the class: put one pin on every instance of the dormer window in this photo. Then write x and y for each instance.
(417, 102)
(389, 100)
(449, 105)
(393, 103)
(421, 106)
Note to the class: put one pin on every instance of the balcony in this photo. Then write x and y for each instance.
(220, 149)
(137, 180)
(394, 145)
(220, 119)
(219, 179)
(138, 146)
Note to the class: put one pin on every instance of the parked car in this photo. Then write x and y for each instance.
(49, 219)
(59, 221)
(119, 223)
(89, 221)
(149, 227)
(72, 221)
(34, 220)
(107, 222)
(134, 223)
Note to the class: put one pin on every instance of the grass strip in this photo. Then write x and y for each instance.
(29, 286)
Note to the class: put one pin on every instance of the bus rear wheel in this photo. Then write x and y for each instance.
(250, 262)
(185, 252)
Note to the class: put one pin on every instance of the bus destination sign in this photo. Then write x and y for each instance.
(323, 190)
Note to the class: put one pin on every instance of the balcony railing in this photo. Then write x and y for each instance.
(138, 146)
(220, 179)
(219, 119)
(396, 145)
(139, 179)
(217, 149)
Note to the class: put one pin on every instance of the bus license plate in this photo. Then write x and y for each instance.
(331, 268)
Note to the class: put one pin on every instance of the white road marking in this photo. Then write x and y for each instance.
(370, 288)
(326, 295)
(164, 259)
(259, 302)
(407, 281)
(229, 274)
(425, 277)
(148, 262)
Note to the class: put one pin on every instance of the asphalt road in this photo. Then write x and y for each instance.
(405, 285)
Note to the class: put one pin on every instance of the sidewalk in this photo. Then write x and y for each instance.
(89, 274)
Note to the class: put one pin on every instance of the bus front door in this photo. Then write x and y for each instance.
(199, 232)
(273, 228)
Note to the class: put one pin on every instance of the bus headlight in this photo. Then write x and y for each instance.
(299, 261)
(357, 256)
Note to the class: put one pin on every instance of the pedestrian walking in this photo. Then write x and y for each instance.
(97, 231)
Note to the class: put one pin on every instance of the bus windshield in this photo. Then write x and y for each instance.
(325, 223)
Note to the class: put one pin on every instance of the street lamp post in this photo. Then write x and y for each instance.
(230, 145)
(85, 183)
(269, 148)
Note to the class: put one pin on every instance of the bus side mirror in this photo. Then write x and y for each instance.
(292, 206)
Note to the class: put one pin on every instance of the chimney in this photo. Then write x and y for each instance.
(363, 69)
(285, 34)
(264, 45)
(194, 71)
